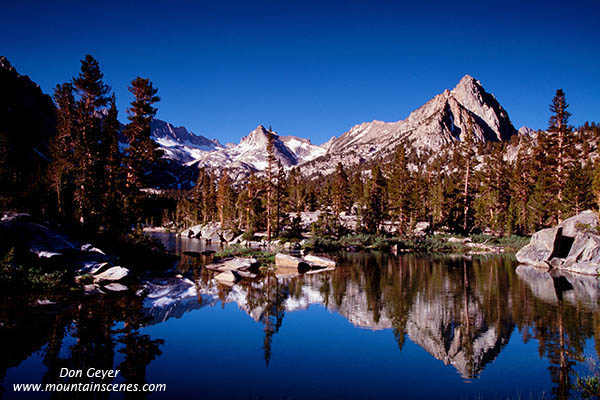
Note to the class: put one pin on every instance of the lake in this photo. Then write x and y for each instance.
(379, 326)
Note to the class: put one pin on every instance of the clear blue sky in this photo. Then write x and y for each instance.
(314, 69)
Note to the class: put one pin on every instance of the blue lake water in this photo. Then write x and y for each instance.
(379, 326)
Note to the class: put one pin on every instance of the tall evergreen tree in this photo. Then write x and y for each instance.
(468, 160)
(400, 187)
(142, 151)
(295, 191)
(522, 180)
(375, 201)
(269, 184)
(225, 200)
(341, 200)
(92, 96)
(560, 148)
(578, 195)
(115, 218)
(280, 198)
(492, 200)
(596, 184)
(61, 147)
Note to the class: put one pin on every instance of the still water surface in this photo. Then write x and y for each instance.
(379, 326)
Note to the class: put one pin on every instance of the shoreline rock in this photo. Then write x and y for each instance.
(573, 245)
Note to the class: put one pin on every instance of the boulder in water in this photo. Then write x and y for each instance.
(573, 245)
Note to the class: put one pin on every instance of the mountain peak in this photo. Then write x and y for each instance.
(468, 84)
(5, 64)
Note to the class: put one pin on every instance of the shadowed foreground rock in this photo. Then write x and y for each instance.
(573, 245)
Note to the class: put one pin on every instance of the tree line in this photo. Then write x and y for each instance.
(502, 188)
(93, 183)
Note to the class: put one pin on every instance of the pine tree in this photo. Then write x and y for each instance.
(492, 200)
(269, 184)
(225, 200)
(295, 191)
(251, 205)
(578, 195)
(115, 218)
(341, 201)
(561, 149)
(325, 225)
(142, 151)
(400, 187)
(88, 158)
(541, 204)
(375, 201)
(61, 149)
(467, 150)
(596, 184)
(521, 183)
(280, 198)
(205, 196)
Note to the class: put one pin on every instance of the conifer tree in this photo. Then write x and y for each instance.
(225, 200)
(295, 191)
(578, 195)
(541, 204)
(280, 198)
(269, 184)
(492, 201)
(375, 201)
(88, 158)
(399, 190)
(205, 196)
(61, 147)
(326, 222)
(521, 183)
(560, 148)
(468, 154)
(251, 205)
(142, 151)
(341, 201)
(596, 184)
(115, 217)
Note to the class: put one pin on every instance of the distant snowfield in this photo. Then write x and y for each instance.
(250, 154)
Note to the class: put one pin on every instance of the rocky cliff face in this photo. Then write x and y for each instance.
(440, 122)
(179, 144)
(434, 126)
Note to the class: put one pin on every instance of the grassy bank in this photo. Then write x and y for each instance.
(421, 244)
(264, 257)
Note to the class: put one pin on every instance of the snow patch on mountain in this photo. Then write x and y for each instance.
(179, 144)
(251, 153)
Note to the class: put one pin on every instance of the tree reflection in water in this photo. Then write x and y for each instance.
(462, 311)
(92, 328)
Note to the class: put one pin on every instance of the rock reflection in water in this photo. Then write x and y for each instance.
(461, 311)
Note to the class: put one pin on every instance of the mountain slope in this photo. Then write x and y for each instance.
(28, 121)
(251, 153)
(438, 123)
(179, 144)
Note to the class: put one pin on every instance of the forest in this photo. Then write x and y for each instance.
(82, 180)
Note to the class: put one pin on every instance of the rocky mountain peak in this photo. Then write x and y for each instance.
(5, 64)
(435, 125)
(258, 137)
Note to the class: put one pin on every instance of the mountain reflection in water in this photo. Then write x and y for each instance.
(461, 311)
